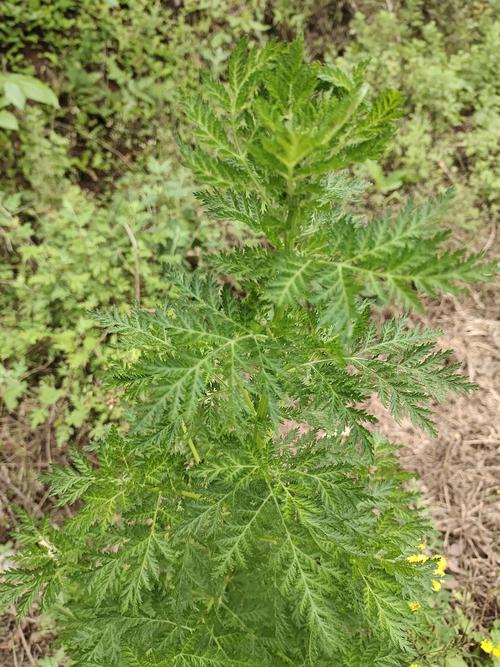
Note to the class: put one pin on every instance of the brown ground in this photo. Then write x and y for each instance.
(459, 471)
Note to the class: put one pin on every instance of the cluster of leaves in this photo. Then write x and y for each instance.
(207, 536)
(115, 68)
(456, 642)
(17, 89)
(65, 254)
(442, 56)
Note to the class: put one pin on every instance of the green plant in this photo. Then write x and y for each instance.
(112, 67)
(455, 640)
(251, 517)
(63, 254)
(117, 67)
(17, 89)
(448, 77)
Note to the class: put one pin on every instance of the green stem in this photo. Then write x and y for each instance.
(291, 224)
(190, 494)
(261, 413)
(278, 313)
(247, 399)
(289, 241)
(192, 447)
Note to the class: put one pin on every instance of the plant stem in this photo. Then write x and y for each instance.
(247, 399)
(278, 313)
(190, 494)
(290, 224)
(261, 413)
(192, 447)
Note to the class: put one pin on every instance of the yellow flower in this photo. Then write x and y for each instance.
(436, 585)
(417, 558)
(414, 664)
(414, 606)
(441, 566)
(421, 546)
(496, 651)
(487, 645)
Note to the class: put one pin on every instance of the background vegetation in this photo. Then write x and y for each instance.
(95, 205)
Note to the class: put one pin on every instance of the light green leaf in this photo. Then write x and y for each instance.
(48, 395)
(37, 416)
(8, 121)
(34, 89)
(12, 385)
(337, 76)
(290, 283)
(455, 661)
(14, 94)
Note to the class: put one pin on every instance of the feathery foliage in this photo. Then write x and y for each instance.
(251, 517)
